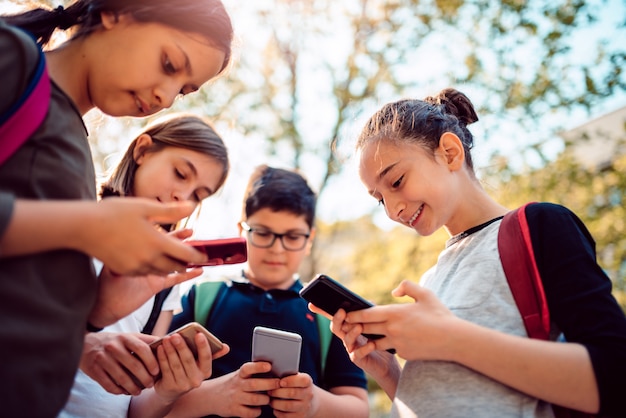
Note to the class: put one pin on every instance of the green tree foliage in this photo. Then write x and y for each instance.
(595, 194)
(310, 68)
(371, 261)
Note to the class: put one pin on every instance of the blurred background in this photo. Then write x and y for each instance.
(546, 77)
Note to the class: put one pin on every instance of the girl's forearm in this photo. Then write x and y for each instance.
(559, 373)
(38, 226)
(389, 382)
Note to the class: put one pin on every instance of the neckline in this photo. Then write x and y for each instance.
(472, 230)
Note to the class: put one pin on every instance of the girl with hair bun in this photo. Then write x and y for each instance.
(126, 58)
(466, 348)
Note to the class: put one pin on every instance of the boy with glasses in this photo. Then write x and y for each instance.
(278, 222)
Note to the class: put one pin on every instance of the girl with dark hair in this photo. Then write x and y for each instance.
(466, 348)
(126, 58)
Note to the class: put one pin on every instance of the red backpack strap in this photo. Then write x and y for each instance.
(520, 268)
(27, 114)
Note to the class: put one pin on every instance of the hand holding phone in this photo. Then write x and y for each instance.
(221, 251)
(330, 296)
(281, 348)
(188, 332)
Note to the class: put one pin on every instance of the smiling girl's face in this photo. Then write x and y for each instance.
(137, 69)
(415, 187)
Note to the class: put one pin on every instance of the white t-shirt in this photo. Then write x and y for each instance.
(88, 398)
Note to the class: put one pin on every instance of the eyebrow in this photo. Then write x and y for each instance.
(382, 174)
(289, 231)
(195, 172)
(386, 170)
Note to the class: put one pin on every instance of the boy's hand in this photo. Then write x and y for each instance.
(295, 397)
(242, 394)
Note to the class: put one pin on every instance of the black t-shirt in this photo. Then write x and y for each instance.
(579, 297)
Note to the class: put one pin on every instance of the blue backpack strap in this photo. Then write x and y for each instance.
(23, 118)
(206, 293)
(326, 336)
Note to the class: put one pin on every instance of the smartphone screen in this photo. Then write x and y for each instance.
(221, 251)
(281, 348)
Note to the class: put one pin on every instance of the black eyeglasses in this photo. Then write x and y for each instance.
(264, 238)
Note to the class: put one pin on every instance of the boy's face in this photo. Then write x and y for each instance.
(274, 267)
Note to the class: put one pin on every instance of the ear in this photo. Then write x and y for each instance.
(309, 244)
(452, 151)
(142, 144)
(110, 19)
(240, 229)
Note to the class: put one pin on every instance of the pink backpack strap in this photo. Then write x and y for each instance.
(23, 119)
(520, 268)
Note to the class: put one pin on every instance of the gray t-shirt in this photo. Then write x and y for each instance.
(468, 278)
(44, 298)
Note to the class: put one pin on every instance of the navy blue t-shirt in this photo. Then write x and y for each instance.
(241, 306)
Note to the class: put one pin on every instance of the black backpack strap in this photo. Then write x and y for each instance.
(159, 299)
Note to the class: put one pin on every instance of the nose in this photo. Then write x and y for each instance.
(394, 209)
(277, 246)
(166, 92)
(180, 195)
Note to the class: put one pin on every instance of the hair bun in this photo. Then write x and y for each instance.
(455, 103)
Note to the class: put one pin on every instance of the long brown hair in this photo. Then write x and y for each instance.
(182, 131)
(205, 17)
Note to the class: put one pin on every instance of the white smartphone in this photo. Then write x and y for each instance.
(281, 348)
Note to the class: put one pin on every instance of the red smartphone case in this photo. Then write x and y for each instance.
(221, 251)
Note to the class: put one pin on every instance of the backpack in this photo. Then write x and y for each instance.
(522, 274)
(208, 292)
(159, 299)
(23, 118)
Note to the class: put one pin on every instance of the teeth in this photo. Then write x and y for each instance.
(414, 217)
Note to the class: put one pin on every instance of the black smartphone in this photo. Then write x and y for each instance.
(221, 251)
(330, 296)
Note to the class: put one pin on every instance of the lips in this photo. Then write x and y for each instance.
(415, 216)
(141, 105)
